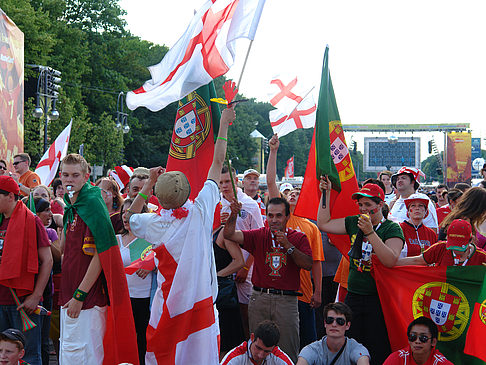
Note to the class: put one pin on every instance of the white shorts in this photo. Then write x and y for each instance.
(81, 340)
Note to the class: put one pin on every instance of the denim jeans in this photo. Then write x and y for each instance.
(10, 318)
(307, 324)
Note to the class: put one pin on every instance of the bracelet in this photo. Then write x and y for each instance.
(80, 295)
(143, 196)
(222, 138)
(367, 234)
(244, 267)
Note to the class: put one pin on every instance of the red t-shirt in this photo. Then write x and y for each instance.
(426, 235)
(442, 212)
(439, 255)
(42, 241)
(78, 252)
(56, 208)
(272, 267)
(404, 357)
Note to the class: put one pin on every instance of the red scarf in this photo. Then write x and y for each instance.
(20, 262)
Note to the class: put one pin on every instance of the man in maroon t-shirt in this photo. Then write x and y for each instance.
(279, 254)
(13, 213)
(458, 250)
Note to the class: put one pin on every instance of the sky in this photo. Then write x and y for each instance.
(391, 62)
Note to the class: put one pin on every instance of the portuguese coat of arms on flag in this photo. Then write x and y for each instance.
(447, 295)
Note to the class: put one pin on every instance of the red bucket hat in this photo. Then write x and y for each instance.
(413, 172)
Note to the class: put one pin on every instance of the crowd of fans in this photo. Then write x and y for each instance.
(282, 284)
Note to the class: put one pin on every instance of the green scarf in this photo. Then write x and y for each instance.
(92, 210)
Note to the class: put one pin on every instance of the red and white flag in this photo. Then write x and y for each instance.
(47, 167)
(289, 170)
(205, 51)
(296, 107)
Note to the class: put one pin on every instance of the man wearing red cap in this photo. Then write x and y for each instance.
(25, 265)
(417, 236)
(458, 250)
(371, 234)
(406, 181)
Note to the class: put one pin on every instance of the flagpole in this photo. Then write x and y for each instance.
(293, 110)
(244, 64)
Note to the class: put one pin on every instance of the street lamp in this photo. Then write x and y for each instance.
(121, 116)
(47, 91)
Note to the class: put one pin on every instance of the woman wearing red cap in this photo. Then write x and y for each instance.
(381, 238)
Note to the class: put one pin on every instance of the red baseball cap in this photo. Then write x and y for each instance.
(370, 191)
(459, 234)
(7, 183)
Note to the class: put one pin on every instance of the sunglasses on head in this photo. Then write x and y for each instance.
(340, 321)
(422, 338)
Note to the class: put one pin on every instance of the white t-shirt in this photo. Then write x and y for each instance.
(137, 287)
(398, 212)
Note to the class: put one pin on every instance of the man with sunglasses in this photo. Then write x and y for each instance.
(3, 167)
(335, 348)
(23, 176)
(422, 336)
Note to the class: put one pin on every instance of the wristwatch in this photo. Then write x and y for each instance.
(290, 251)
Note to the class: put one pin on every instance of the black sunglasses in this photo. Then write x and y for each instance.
(340, 321)
(17, 162)
(413, 337)
(3, 168)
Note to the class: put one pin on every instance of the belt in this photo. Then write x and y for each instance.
(277, 291)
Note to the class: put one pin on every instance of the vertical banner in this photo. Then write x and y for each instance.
(475, 152)
(458, 158)
(11, 89)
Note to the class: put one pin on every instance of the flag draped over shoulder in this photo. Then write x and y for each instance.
(477, 328)
(192, 145)
(47, 166)
(445, 294)
(329, 155)
(205, 51)
(120, 343)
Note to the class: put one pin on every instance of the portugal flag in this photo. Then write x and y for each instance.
(477, 329)
(192, 145)
(445, 294)
(329, 155)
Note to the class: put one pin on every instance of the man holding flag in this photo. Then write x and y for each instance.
(183, 327)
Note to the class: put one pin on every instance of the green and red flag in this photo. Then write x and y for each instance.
(329, 155)
(141, 256)
(120, 341)
(446, 294)
(192, 145)
(477, 328)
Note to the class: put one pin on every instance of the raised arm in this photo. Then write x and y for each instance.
(324, 221)
(147, 189)
(273, 144)
(227, 117)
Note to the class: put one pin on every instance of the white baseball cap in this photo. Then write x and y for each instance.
(251, 172)
(285, 186)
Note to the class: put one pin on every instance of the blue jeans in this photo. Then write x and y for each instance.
(10, 318)
(307, 324)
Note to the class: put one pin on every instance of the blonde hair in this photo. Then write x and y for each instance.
(75, 159)
(49, 193)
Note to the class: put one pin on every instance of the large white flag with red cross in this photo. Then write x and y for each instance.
(47, 166)
(205, 51)
(295, 105)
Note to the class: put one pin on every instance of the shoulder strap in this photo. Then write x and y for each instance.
(340, 352)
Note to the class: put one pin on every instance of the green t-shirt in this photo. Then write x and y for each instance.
(360, 280)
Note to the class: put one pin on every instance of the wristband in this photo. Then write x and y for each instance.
(143, 196)
(367, 234)
(244, 267)
(222, 138)
(80, 295)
